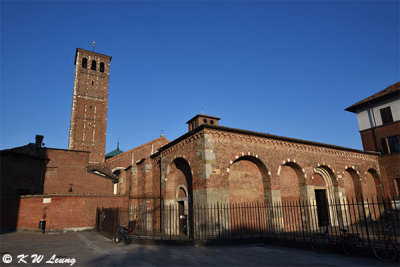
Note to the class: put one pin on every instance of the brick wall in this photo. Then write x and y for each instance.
(130, 157)
(290, 170)
(89, 105)
(245, 183)
(19, 171)
(367, 136)
(68, 169)
(62, 211)
(390, 168)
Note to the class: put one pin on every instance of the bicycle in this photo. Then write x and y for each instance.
(352, 244)
(124, 233)
(388, 249)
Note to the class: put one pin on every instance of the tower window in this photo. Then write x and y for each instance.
(84, 63)
(93, 65)
(386, 115)
(101, 66)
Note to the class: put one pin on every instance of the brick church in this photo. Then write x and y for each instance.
(209, 164)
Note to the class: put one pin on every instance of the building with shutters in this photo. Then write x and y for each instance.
(379, 123)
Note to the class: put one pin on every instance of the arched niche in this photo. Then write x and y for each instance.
(249, 180)
(373, 185)
(352, 184)
(292, 182)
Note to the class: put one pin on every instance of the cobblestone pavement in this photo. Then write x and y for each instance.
(92, 249)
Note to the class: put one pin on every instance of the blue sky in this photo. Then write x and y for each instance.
(282, 67)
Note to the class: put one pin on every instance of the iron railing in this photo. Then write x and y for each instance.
(288, 220)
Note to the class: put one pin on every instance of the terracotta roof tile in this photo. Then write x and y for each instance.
(390, 90)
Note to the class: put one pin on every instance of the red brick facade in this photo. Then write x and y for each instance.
(66, 172)
(60, 212)
(371, 138)
(125, 165)
(212, 164)
(89, 105)
(390, 169)
(235, 166)
(130, 157)
(389, 163)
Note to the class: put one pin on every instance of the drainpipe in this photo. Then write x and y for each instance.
(380, 150)
(375, 134)
(160, 196)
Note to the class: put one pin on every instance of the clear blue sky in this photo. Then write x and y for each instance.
(282, 67)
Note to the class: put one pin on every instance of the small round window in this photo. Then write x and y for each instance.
(205, 120)
(211, 122)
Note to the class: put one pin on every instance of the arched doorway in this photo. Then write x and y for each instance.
(326, 197)
(179, 192)
(182, 211)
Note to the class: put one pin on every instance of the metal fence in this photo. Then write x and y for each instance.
(290, 220)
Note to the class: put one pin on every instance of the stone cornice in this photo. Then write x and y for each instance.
(265, 140)
(268, 143)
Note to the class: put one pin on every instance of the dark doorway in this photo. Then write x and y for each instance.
(183, 166)
(182, 218)
(322, 207)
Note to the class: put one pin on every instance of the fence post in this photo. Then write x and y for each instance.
(365, 221)
(219, 225)
(259, 219)
(161, 219)
(301, 218)
(395, 208)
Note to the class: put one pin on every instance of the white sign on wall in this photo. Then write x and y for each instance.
(46, 200)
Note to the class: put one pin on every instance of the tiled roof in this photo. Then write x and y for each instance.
(388, 91)
(139, 147)
(114, 153)
(29, 150)
(102, 170)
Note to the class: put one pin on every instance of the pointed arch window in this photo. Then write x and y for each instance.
(84, 63)
(101, 66)
(93, 65)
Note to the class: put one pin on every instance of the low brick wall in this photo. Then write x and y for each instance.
(59, 211)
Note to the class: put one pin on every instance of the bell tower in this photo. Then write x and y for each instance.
(89, 104)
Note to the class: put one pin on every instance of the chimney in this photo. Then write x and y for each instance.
(200, 119)
(39, 141)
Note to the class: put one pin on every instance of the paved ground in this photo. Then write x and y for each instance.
(92, 249)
